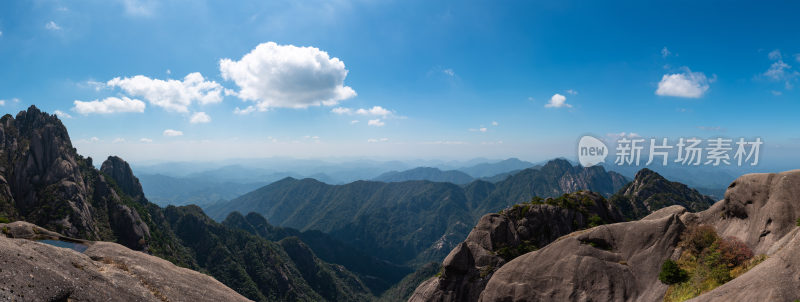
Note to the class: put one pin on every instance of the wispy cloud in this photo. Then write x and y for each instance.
(52, 26)
(171, 132)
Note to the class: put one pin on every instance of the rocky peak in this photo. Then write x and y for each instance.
(649, 191)
(120, 171)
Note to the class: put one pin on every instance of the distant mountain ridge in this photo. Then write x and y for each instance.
(491, 169)
(410, 222)
(426, 173)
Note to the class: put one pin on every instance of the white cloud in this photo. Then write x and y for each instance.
(245, 111)
(118, 140)
(665, 52)
(778, 71)
(62, 114)
(2, 102)
(557, 101)
(52, 26)
(687, 84)
(374, 111)
(481, 129)
(571, 91)
(199, 118)
(94, 139)
(172, 95)
(273, 75)
(376, 123)
(1, 33)
(109, 105)
(342, 110)
(494, 123)
(353, 122)
(377, 140)
(170, 132)
(775, 55)
(145, 140)
(449, 72)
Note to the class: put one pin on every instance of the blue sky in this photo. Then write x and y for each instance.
(451, 80)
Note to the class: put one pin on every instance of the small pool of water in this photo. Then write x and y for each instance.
(70, 245)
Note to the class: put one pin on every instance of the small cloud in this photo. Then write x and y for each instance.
(94, 139)
(62, 114)
(1, 33)
(376, 123)
(2, 102)
(145, 140)
(797, 57)
(353, 122)
(775, 55)
(571, 92)
(169, 71)
(245, 111)
(778, 71)
(377, 140)
(481, 129)
(687, 84)
(665, 52)
(199, 118)
(170, 132)
(449, 72)
(374, 111)
(118, 140)
(776, 92)
(494, 123)
(52, 26)
(557, 101)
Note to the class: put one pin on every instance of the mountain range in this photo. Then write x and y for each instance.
(411, 222)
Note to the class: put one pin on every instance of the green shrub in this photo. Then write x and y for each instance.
(595, 220)
(798, 221)
(671, 273)
(3, 219)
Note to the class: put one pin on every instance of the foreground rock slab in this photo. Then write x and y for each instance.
(34, 271)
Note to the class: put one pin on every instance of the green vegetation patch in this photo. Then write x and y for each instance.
(707, 262)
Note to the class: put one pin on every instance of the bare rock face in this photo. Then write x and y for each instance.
(499, 238)
(617, 262)
(621, 262)
(121, 172)
(761, 210)
(45, 181)
(33, 271)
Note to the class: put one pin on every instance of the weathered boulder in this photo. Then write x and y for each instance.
(617, 262)
(33, 271)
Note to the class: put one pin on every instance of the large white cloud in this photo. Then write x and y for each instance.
(109, 105)
(687, 84)
(288, 76)
(172, 95)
